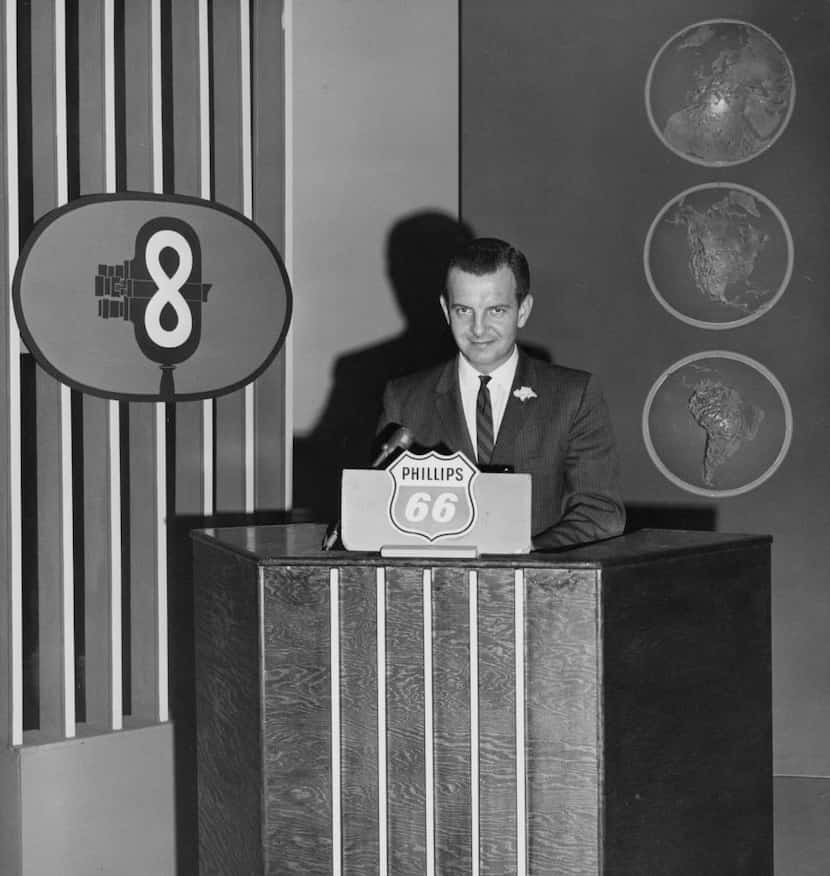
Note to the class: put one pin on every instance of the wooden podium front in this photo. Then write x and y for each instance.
(604, 710)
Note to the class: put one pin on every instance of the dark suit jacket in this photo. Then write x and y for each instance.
(562, 438)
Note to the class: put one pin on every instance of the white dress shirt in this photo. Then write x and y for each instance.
(500, 384)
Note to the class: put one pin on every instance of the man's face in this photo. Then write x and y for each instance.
(484, 315)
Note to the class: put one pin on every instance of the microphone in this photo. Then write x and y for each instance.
(401, 439)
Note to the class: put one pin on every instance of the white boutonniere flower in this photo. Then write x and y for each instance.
(523, 393)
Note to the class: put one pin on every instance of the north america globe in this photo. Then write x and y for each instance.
(718, 255)
(720, 92)
(717, 423)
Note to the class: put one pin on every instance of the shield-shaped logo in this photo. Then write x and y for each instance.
(432, 495)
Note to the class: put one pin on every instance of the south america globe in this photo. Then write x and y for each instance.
(717, 423)
(720, 92)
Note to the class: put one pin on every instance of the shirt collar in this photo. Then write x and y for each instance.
(501, 376)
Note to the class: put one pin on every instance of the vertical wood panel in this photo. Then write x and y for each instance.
(451, 661)
(8, 694)
(230, 716)
(100, 670)
(497, 750)
(268, 64)
(359, 686)
(297, 736)
(55, 585)
(186, 141)
(142, 459)
(228, 189)
(11, 612)
(563, 662)
(405, 721)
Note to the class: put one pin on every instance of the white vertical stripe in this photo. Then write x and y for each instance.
(334, 628)
(429, 764)
(521, 804)
(67, 559)
(380, 583)
(247, 210)
(109, 94)
(116, 684)
(14, 497)
(155, 75)
(60, 103)
(288, 255)
(474, 727)
(114, 451)
(206, 193)
(162, 706)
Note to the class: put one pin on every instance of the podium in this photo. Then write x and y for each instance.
(601, 710)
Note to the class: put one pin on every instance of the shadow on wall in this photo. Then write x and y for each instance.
(418, 247)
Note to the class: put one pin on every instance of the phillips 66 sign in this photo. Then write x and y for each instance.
(432, 495)
(151, 298)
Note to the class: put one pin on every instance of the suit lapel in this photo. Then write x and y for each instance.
(451, 412)
(516, 412)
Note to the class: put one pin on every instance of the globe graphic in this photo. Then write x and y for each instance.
(718, 255)
(717, 424)
(720, 92)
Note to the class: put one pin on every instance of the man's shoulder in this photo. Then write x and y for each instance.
(560, 375)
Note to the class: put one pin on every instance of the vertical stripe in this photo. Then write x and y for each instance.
(358, 720)
(247, 210)
(14, 497)
(474, 736)
(289, 245)
(334, 650)
(160, 407)
(429, 753)
(114, 442)
(66, 492)
(208, 501)
(380, 584)
(268, 206)
(521, 805)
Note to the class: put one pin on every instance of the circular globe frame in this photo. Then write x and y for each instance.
(678, 36)
(733, 323)
(703, 491)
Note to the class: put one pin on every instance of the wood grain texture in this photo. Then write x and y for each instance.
(297, 731)
(229, 714)
(688, 733)
(497, 724)
(359, 722)
(405, 721)
(562, 678)
(451, 722)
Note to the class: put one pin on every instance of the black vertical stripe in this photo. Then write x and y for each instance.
(73, 144)
(168, 128)
(120, 86)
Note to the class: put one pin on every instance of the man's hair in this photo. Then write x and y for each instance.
(485, 255)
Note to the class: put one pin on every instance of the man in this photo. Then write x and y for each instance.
(548, 421)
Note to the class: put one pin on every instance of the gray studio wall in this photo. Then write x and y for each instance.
(374, 133)
(558, 156)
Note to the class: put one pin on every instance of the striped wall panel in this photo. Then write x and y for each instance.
(399, 734)
(98, 496)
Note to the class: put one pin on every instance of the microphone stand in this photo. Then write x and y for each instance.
(400, 439)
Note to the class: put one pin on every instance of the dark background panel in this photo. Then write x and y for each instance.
(558, 156)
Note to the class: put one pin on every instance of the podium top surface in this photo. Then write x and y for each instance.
(300, 544)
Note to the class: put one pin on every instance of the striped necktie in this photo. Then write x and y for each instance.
(484, 422)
